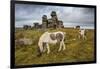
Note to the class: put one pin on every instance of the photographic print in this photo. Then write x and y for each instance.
(53, 34)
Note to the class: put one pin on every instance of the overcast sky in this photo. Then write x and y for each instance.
(71, 16)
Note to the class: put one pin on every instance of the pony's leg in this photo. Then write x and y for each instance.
(41, 47)
(63, 45)
(60, 46)
(84, 37)
(44, 47)
(48, 49)
(79, 36)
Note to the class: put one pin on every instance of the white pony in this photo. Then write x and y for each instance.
(51, 38)
(82, 33)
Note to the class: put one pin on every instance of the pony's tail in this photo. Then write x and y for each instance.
(40, 48)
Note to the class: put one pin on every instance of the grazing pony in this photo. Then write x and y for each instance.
(51, 38)
(82, 34)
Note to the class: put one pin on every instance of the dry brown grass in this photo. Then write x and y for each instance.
(76, 50)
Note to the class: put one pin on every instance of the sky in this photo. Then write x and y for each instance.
(26, 14)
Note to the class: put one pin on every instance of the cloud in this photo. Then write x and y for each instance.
(28, 14)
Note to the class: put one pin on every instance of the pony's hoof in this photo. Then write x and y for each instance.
(59, 50)
(64, 49)
(48, 52)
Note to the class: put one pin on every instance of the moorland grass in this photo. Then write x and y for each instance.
(77, 50)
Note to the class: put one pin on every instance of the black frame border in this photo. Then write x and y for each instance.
(12, 31)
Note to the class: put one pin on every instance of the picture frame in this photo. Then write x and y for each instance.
(18, 63)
